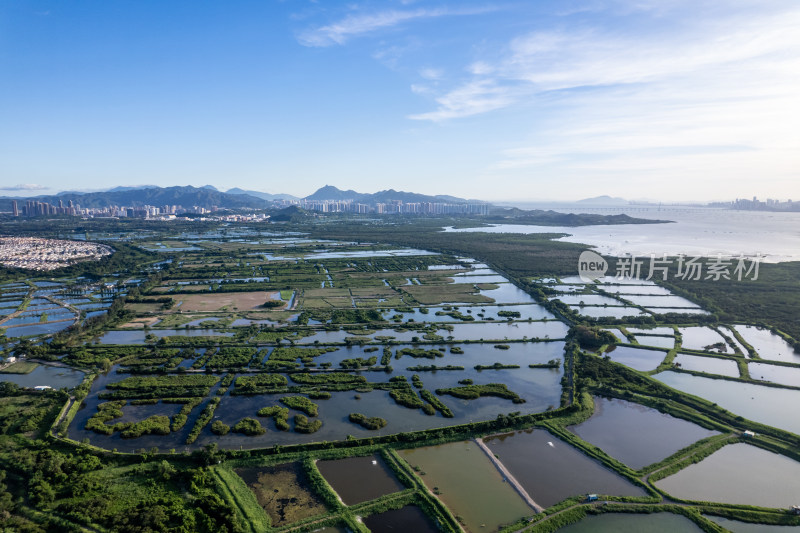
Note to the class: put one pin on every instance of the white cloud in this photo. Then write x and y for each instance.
(694, 103)
(25, 187)
(355, 25)
(732, 48)
(416, 88)
(431, 73)
(480, 68)
(470, 99)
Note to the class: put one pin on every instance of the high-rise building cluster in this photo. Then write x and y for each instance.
(34, 208)
(754, 204)
(394, 207)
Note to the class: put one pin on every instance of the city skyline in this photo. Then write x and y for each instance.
(554, 101)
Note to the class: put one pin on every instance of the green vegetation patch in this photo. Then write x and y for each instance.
(301, 403)
(231, 357)
(22, 412)
(303, 425)
(188, 385)
(203, 420)
(419, 353)
(437, 404)
(218, 427)
(105, 412)
(152, 425)
(179, 420)
(407, 397)
(258, 384)
(433, 368)
(20, 367)
(327, 378)
(496, 366)
(249, 426)
(291, 354)
(473, 392)
(277, 413)
(592, 337)
(372, 423)
(358, 362)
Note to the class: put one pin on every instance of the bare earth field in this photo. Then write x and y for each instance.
(139, 323)
(228, 301)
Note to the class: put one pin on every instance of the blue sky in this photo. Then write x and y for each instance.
(546, 100)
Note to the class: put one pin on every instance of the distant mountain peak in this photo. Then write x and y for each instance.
(260, 194)
(186, 196)
(331, 193)
(604, 200)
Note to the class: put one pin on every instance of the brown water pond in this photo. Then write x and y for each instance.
(469, 484)
(551, 470)
(359, 479)
(409, 519)
(282, 492)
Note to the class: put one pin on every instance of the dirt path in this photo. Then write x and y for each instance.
(510, 478)
(63, 414)
(19, 311)
(646, 480)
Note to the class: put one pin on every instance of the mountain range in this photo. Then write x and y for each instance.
(157, 196)
(329, 192)
(208, 196)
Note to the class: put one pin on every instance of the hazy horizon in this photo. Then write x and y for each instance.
(518, 202)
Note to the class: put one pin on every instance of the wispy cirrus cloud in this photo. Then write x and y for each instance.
(25, 187)
(431, 73)
(338, 33)
(473, 98)
(578, 59)
(684, 101)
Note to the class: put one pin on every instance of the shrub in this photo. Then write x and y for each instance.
(218, 427)
(372, 423)
(303, 425)
(249, 426)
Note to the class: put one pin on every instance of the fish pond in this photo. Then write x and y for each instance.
(736, 526)
(658, 342)
(653, 331)
(773, 406)
(551, 470)
(633, 523)
(739, 474)
(359, 479)
(406, 519)
(768, 345)
(702, 338)
(784, 375)
(47, 375)
(709, 365)
(635, 434)
(640, 359)
(282, 491)
(456, 470)
(614, 312)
